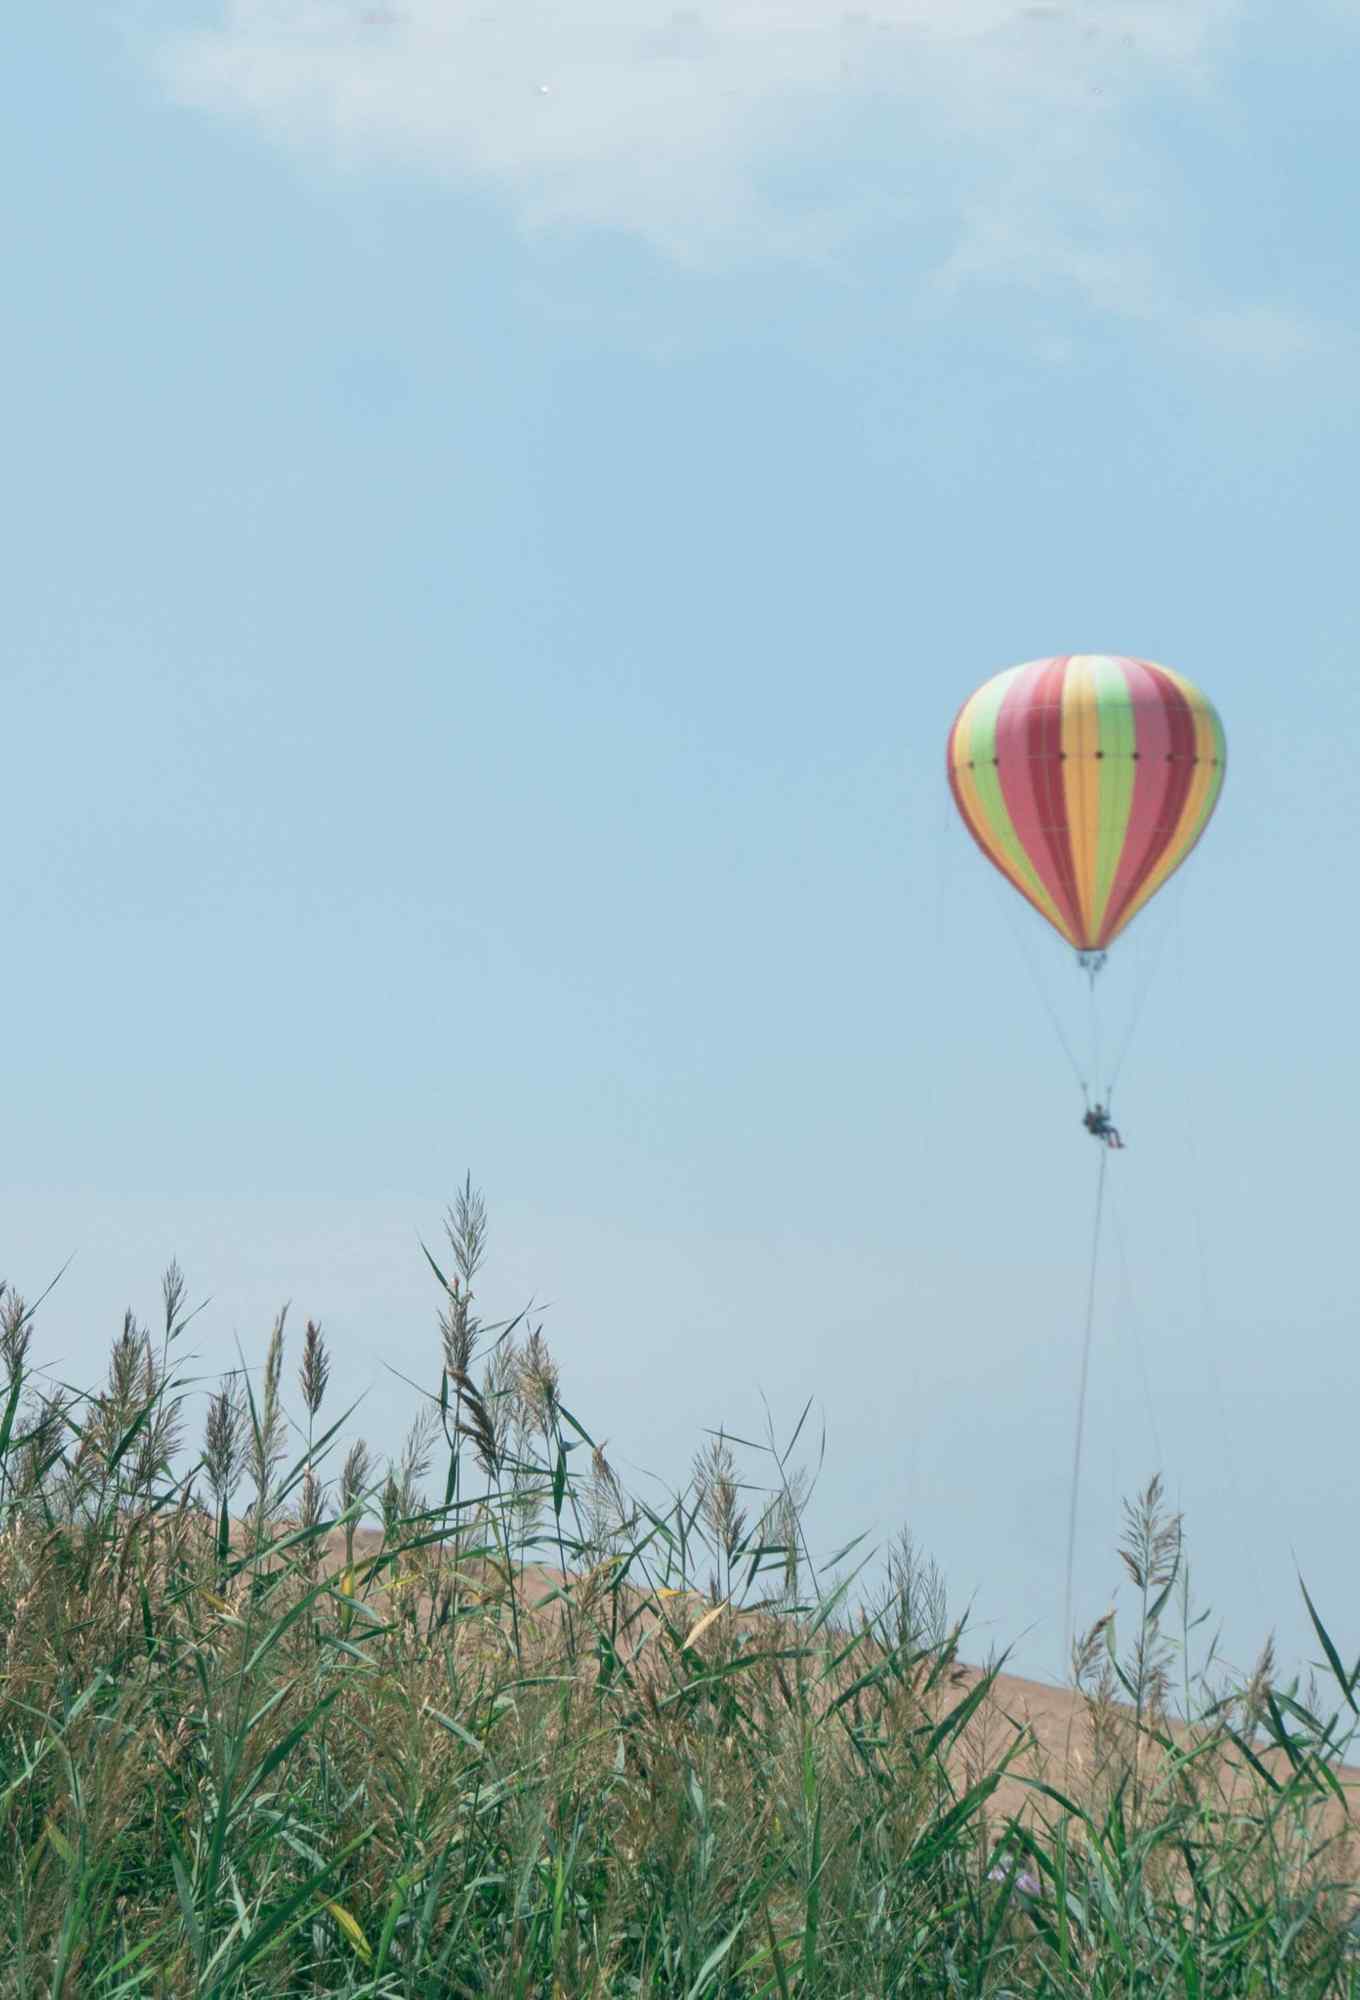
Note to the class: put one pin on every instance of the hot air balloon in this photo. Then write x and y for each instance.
(1086, 779)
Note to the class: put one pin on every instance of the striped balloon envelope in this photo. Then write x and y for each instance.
(1087, 779)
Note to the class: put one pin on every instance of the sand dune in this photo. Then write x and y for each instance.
(1047, 1727)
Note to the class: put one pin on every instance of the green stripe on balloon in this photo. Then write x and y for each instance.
(983, 712)
(1118, 741)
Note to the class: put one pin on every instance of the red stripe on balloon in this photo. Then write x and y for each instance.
(1166, 771)
(1029, 765)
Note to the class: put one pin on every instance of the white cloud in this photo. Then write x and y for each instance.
(719, 127)
(664, 118)
(1262, 336)
(1007, 245)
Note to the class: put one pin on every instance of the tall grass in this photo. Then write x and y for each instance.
(478, 1721)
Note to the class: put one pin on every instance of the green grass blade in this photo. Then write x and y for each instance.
(714, 1960)
(1343, 1680)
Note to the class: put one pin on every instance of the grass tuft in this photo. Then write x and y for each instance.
(480, 1721)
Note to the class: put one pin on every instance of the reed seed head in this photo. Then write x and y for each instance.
(315, 1371)
(224, 1440)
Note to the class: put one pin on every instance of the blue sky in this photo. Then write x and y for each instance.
(504, 506)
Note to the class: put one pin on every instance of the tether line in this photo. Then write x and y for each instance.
(1151, 966)
(1081, 1404)
(1014, 920)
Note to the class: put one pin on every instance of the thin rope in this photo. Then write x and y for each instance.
(1151, 967)
(1209, 1324)
(1081, 1406)
(1014, 919)
(1133, 1317)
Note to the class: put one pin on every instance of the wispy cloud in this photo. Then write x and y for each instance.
(1112, 273)
(743, 126)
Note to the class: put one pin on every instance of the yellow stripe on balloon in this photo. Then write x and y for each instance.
(1081, 780)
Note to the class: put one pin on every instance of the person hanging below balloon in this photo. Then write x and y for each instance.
(1097, 1123)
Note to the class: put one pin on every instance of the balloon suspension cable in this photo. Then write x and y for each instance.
(1014, 924)
(1151, 966)
(1092, 963)
(1081, 1406)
